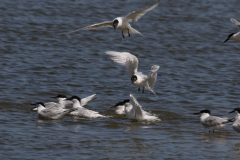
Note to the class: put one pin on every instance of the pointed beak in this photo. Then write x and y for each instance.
(53, 97)
(196, 113)
(67, 99)
(226, 40)
(112, 106)
(231, 111)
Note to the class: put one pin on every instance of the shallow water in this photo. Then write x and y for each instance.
(185, 38)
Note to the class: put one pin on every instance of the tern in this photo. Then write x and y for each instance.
(121, 23)
(81, 111)
(63, 103)
(120, 108)
(51, 113)
(234, 36)
(134, 111)
(236, 124)
(212, 122)
(131, 63)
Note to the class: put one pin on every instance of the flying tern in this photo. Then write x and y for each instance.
(131, 63)
(122, 23)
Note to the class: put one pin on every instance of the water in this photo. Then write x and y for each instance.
(185, 38)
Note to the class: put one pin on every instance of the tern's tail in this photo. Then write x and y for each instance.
(134, 31)
(152, 77)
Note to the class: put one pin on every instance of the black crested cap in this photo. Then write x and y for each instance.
(205, 111)
(74, 97)
(230, 35)
(115, 23)
(134, 78)
(121, 103)
(236, 109)
(126, 100)
(41, 103)
(61, 96)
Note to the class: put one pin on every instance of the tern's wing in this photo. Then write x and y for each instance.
(94, 26)
(152, 77)
(137, 107)
(84, 101)
(125, 59)
(215, 121)
(50, 104)
(235, 21)
(136, 15)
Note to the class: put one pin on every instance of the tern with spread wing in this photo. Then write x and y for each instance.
(131, 63)
(121, 23)
(134, 111)
(81, 111)
(213, 122)
(234, 36)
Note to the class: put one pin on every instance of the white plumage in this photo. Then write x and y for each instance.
(121, 23)
(131, 63)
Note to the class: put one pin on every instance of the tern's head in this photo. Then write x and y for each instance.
(134, 78)
(236, 110)
(120, 103)
(203, 111)
(74, 98)
(38, 104)
(115, 23)
(229, 37)
(59, 97)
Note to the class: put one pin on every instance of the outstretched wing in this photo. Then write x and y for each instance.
(94, 26)
(137, 107)
(84, 101)
(152, 77)
(136, 15)
(125, 59)
(235, 21)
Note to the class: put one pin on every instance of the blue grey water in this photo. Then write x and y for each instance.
(184, 37)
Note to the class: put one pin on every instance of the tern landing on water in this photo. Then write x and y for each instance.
(131, 63)
(81, 111)
(234, 36)
(51, 113)
(236, 124)
(134, 111)
(213, 122)
(121, 23)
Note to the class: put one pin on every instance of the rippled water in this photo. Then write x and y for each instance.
(184, 37)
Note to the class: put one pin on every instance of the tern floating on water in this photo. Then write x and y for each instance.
(131, 63)
(134, 111)
(51, 113)
(121, 23)
(234, 36)
(212, 122)
(81, 111)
